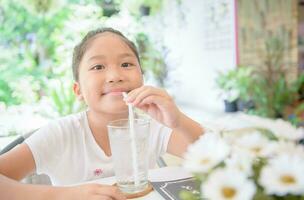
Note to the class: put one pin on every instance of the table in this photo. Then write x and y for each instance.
(159, 174)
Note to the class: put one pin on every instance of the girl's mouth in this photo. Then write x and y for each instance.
(115, 92)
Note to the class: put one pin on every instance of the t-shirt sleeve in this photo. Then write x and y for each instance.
(159, 139)
(46, 145)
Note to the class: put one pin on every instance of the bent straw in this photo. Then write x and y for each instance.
(133, 141)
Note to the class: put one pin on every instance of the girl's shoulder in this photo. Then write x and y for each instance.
(67, 123)
(72, 118)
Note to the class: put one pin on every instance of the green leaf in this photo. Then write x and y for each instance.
(267, 133)
(186, 195)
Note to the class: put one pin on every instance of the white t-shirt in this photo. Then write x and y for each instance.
(66, 150)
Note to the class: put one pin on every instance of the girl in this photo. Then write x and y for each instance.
(76, 148)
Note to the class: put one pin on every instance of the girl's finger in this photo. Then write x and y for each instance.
(152, 110)
(136, 95)
(143, 108)
(103, 197)
(133, 93)
(147, 93)
(156, 100)
(111, 191)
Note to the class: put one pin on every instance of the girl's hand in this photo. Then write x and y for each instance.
(157, 103)
(93, 192)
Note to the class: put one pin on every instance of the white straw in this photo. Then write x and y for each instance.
(133, 142)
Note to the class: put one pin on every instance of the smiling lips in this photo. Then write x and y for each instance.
(116, 92)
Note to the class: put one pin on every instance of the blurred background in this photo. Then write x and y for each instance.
(213, 56)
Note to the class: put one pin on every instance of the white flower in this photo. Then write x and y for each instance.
(252, 143)
(241, 161)
(283, 175)
(280, 128)
(283, 147)
(285, 130)
(228, 184)
(208, 151)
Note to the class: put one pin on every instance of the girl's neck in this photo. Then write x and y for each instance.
(99, 121)
(98, 125)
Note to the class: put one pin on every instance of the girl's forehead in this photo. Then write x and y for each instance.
(107, 38)
(107, 46)
(107, 42)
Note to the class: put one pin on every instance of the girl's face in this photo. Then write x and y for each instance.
(108, 68)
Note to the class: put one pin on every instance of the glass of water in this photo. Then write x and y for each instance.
(130, 178)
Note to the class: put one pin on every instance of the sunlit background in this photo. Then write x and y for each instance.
(248, 53)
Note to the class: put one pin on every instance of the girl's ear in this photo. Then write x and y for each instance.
(77, 91)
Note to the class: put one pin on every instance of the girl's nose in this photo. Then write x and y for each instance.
(114, 75)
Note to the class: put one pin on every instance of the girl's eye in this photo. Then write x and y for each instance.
(97, 67)
(126, 64)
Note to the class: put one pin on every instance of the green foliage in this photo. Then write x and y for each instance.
(234, 84)
(227, 83)
(63, 98)
(134, 6)
(268, 86)
(151, 59)
(36, 40)
(6, 93)
(267, 133)
(258, 164)
(272, 91)
(299, 84)
(271, 98)
(297, 118)
(19, 81)
(28, 39)
(186, 195)
(260, 193)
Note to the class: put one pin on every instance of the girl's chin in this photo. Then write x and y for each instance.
(117, 108)
(113, 111)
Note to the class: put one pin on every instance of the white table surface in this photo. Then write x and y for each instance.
(159, 174)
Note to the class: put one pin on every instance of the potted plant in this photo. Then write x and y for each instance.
(144, 7)
(244, 82)
(227, 83)
(109, 7)
(235, 88)
(144, 10)
(271, 90)
(150, 6)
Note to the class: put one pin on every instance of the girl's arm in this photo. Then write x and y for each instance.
(14, 166)
(188, 127)
(18, 162)
(182, 136)
(13, 190)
